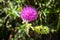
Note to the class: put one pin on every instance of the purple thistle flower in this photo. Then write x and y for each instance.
(28, 13)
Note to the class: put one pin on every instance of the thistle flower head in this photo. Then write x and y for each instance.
(28, 13)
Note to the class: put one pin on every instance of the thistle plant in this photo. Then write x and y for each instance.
(28, 13)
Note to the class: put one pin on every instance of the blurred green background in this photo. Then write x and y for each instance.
(46, 27)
